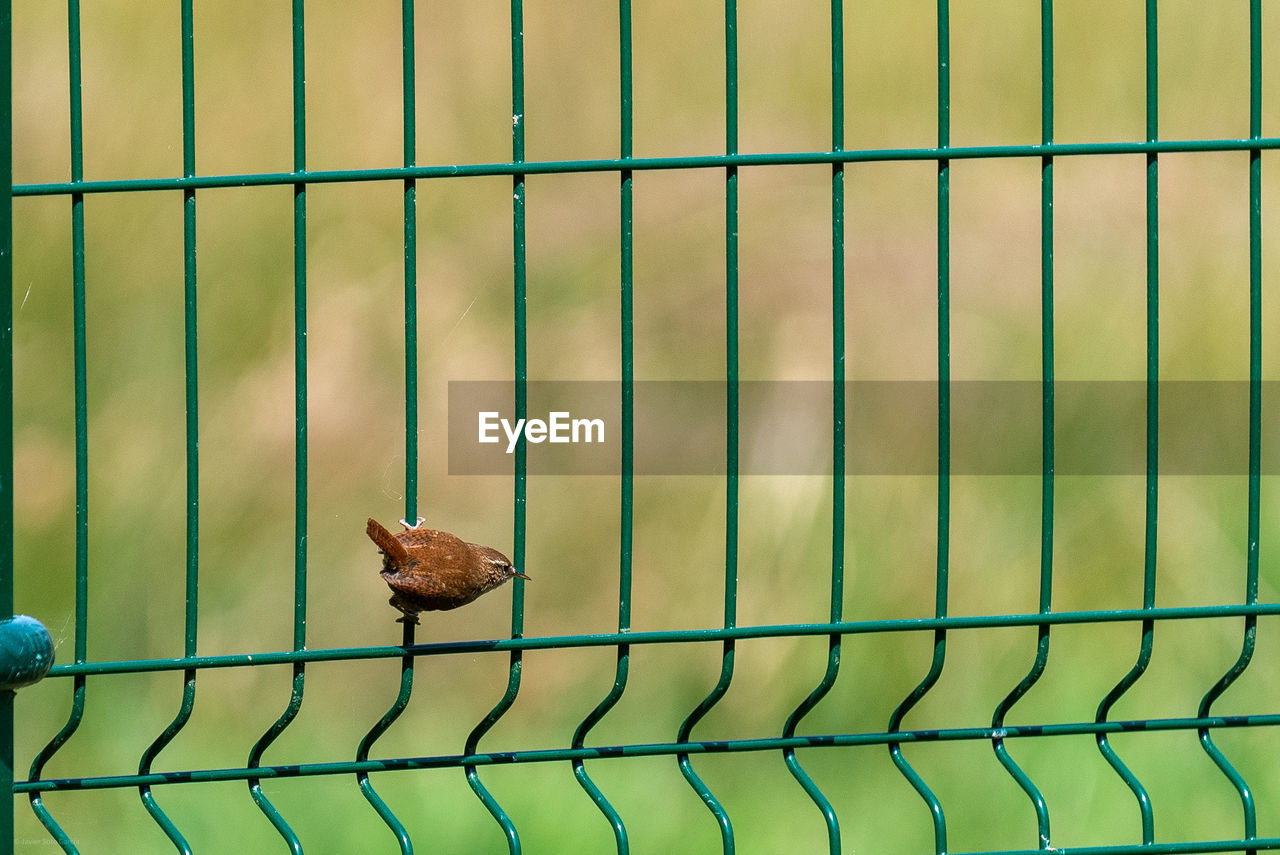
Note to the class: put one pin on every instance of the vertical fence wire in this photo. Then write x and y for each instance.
(1147, 638)
(192, 437)
(520, 485)
(408, 43)
(718, 691)
(943, 535)
(6, 396)
(829, 818)
(81, 418)
(409, 93)
(1046, 415)
(627, 333)
(298, 681)
(837, 312)
(380, 727)
(1255, 428)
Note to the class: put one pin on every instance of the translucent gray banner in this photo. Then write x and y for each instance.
(891, 428)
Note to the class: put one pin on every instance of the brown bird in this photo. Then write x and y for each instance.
(430, 570)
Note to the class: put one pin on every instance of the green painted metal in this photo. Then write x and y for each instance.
(674, 636)
(519, 271)
(627, 468)
(1249, 641)
(409, 93)
(723, 823)
(473, 759)
(1147, 638)
(639, 164)
(897, 738)
(811, 788)
(80, 391)
(298, 683)
(6, 399)
(187, 703)
(366, 745)
(26, 652)
(410, 120)
(1046, 494)
(941, 576)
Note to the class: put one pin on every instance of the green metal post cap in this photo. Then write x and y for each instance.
(26, 652)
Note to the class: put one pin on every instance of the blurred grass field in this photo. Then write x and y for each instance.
(132, 101)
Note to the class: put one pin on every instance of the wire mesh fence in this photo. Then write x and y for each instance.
(927, 657)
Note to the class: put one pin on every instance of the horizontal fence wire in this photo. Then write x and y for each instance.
(672, 636)
(587, 752)
(582, 754)
(638, 164)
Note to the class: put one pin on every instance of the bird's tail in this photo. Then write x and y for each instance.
(387, 542)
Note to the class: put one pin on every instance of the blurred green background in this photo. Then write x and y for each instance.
(355, 374)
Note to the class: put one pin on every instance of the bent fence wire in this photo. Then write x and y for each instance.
(792, 742)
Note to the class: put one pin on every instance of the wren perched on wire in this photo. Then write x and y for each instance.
(430, 570)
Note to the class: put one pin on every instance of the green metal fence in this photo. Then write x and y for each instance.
(54, 798)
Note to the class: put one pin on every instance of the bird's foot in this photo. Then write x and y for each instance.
(420, 521)
(412, 620)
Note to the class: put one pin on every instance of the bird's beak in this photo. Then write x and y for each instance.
(521, 575)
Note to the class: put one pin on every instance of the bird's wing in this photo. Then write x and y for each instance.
(416, 538)
(418, 584)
